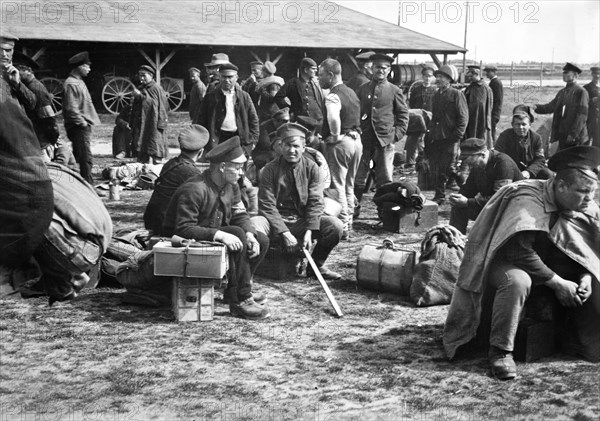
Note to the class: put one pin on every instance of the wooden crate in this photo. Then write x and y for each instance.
(193, 299)
(534, 340)
(407, 221)
(200, 261)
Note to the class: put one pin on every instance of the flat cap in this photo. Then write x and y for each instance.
(310, 123)
(490, 68)
(282, 114)
(448, 70)
(366, 56)
(217, 59)
(193, 137)
(570, 67)
(228, 67)
(194, 70)
(291, 130)
(308, 62)
(256, 63)
(522, 109)
(382, 57)
(474, 67)
(427, 67)
(22, 60)
(473, 146)
(80, 58)
(146, 69)
(584, 158)
(228, 151)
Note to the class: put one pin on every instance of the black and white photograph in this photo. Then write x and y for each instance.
(311, 210)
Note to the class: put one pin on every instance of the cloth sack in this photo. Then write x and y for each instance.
(435, 274)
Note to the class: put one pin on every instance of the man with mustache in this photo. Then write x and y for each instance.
(290, 201)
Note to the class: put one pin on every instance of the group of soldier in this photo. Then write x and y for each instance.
(313, 140)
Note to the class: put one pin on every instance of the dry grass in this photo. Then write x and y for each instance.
(98, 359)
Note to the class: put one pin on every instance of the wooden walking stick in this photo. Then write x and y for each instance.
(330, 296)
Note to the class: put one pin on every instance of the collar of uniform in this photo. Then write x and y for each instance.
(548, 197)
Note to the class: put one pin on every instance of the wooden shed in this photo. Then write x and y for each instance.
(172, 36)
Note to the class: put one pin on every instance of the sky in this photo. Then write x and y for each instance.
(500, 31)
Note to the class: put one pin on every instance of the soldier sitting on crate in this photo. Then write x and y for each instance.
(177, 171)
(290, 201)
(489, 170)
(533, 236)
(208, 207)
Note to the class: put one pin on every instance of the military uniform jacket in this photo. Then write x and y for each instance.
(310, 193)
(212, 114)
(174, 173)
(196, 94)
(570, 110)
(450, 115)
(383, 111)
(199, 208)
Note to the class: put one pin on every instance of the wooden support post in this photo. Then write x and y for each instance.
(436, 60)
(39, 53)
(445, 58)
(353, 60)
(541, 73)
(277, 58)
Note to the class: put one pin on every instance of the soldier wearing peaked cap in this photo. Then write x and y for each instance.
(79, 113)
(208, 207)
(593, 119)
(364, 72)
(290, 201)
(192, 140)
(263, 152)
(196, 93)
(498, 91)
(569, 111)
(533, 237)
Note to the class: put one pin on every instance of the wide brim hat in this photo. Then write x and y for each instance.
(217, 59)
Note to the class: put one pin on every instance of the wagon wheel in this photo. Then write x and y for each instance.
(55, 88)
(174, 90)
(116, 94)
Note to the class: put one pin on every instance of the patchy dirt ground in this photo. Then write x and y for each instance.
(98, 359)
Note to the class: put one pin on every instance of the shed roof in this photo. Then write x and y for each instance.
(302, 24)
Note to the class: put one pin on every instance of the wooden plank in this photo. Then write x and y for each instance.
(330, 296)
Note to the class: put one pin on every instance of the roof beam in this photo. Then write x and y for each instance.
(436, 60)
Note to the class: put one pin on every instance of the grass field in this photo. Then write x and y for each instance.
(98, 359)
